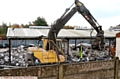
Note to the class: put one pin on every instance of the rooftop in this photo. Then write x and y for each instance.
(64, 33)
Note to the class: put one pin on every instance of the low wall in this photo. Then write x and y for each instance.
(40, 71)
(86, 70)
(89, 70)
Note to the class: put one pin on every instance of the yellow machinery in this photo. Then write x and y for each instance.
(42, 54)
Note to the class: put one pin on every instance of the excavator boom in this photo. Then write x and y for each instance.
(80, 8)
(58, 25)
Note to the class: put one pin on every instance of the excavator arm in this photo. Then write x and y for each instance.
(98, 43)
(58, 25)
(80, 8)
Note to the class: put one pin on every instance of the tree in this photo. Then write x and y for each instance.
(30, 24)
(40, 22)
(3, 28)
(118, 25)
(16, 26)
(26, 26)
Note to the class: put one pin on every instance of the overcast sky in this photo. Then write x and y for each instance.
(106, 12)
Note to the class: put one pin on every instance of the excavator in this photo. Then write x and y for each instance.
(51, 52)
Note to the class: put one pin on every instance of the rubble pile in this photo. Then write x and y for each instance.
(89, 54)
(17, 57)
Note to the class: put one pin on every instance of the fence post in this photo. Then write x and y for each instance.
(60, 72)
(116, 69)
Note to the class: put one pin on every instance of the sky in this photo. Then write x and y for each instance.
(106, 12)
